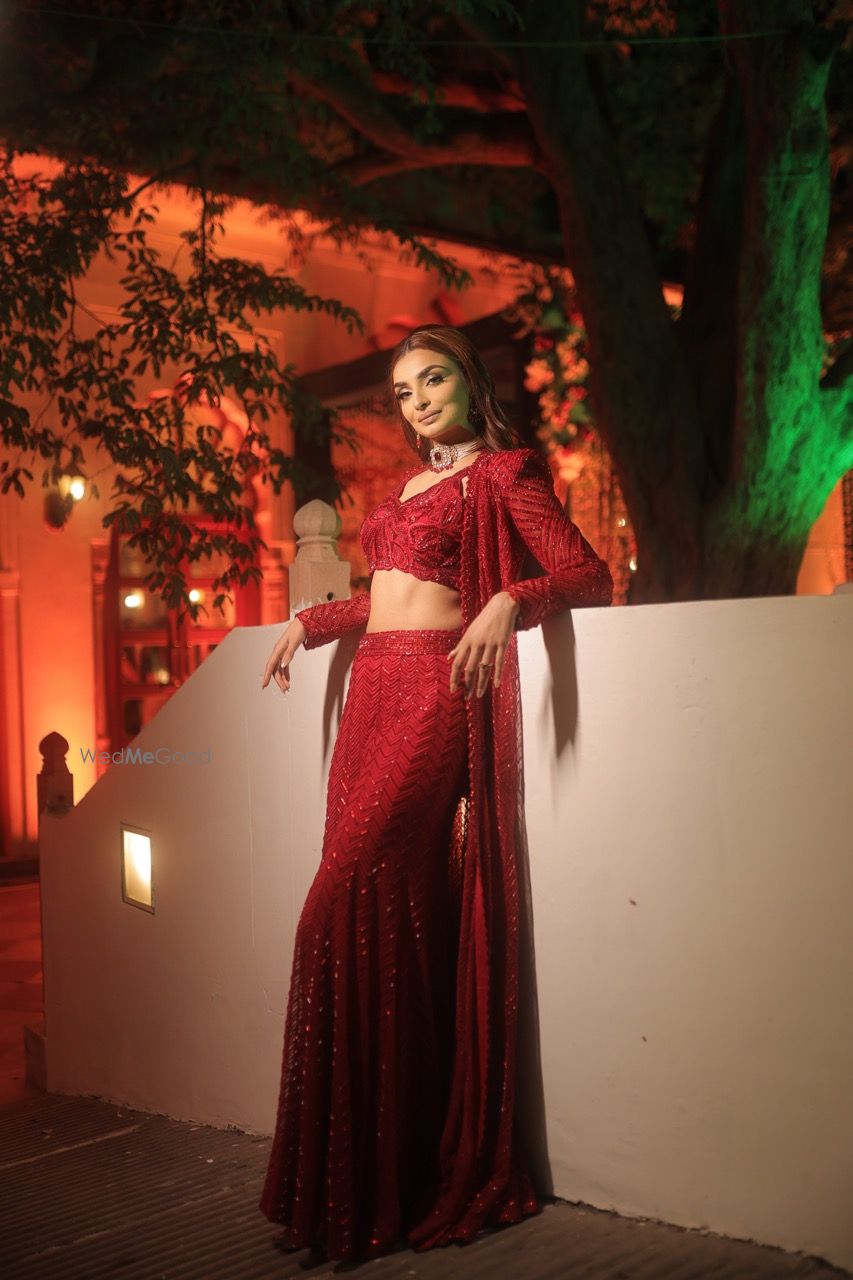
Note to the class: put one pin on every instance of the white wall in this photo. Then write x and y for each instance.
(687, 776)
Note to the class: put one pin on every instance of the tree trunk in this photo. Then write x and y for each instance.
(643, 398)
(724, 450)
(786, 451)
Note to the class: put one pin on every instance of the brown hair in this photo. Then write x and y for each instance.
(487, 417)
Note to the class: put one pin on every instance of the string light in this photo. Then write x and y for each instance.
(420, 41)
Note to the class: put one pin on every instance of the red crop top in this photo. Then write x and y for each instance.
(421, 535)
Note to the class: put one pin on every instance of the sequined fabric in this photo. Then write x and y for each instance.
(368, 1041)
(333, 619)
(421, 534)
(574, 575)
(471, 1169)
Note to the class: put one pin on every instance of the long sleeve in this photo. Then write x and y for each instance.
(574, 575)
(333, 618)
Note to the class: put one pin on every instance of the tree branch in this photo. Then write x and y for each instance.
(498, 139)
(491, 32)
(507, 143)
(360, 106)
(503, 140)
(456, 93)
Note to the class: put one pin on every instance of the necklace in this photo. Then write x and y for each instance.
(442, 456)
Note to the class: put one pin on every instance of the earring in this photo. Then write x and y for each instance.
(476, 419)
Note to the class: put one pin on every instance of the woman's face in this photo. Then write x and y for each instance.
(429, 385)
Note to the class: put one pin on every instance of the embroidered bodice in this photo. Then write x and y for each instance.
(509, 507)
(422, 534)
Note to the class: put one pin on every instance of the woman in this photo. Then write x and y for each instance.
(396, 1114)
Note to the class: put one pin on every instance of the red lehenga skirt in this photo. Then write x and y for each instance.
(369, 1032)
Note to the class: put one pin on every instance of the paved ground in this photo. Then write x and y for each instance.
(90, 1190)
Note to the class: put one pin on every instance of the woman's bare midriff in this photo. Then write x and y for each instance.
(399, 601)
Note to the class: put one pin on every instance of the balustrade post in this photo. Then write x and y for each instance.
(55, 782)
(318, 571)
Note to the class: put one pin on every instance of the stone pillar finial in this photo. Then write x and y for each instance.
(318, 572)
(55, 782)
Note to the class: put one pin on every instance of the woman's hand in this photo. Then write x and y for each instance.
(285, 647)
(484, 641)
